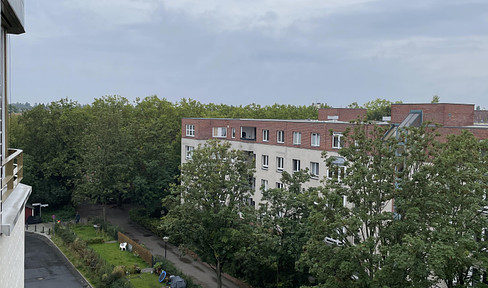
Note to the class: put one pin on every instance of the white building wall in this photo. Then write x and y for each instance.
(306, 156)
(12, 257)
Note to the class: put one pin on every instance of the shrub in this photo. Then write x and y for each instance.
(118, 272)
(65, 234)
(97, 240)
(172, 270)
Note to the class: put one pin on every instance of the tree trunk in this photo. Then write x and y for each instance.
(218, 270)
(104, 213)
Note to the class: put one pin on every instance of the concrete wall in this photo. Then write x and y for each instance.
(12, 257)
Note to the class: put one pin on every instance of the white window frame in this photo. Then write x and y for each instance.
(337, 144)
(297, 138)
(219, 132)
(296, 165)
(233, 132)
(265, 161)
(315, 140)
(190, 130)
(265, 135)
(280, 136)
(314, 169)
(280, 164)
(189, 152)
(264, 184)
(279, 185)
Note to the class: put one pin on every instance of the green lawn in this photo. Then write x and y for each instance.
(145, 280)
(88, 232)
(112, 254)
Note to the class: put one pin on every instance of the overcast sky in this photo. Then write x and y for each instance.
(253, 51)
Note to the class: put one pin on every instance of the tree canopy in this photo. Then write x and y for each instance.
(211, 214)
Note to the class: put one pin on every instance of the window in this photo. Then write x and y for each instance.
(264, 184)
(280, 163)
(297, 138)
(296, 165)
(314, 169)
(280, 136)
(337, 140)
(336, 172)
(251, 202)
(265, 135)
(189, 152)
(315, 142)
(190, 130)
(233, 132)
(219, 132)
(265, 161)
(279, 185)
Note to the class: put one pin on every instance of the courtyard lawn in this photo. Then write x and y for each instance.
(88, 232)
(112, 254)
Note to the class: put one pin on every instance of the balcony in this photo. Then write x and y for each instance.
(248, 133)
(14, 194)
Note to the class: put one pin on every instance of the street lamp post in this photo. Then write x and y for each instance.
(165, 239)
(40, 206)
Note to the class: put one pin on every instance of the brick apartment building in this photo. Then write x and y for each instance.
(291, 145)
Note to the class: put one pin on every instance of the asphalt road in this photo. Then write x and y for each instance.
(46, 266)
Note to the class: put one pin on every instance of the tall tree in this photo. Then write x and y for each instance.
(156, 130)
(107, 153)
(283, 214)
(458, 255)
(211, 215)
(353, 231)
(51, 137)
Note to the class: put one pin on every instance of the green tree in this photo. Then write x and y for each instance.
(155, 128)
(283, 214)
(50, 137)
(211, 215)
(435, 99)
(354, 236)
(458, 255)
(107, 153)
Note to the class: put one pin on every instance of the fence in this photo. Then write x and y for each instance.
(143, 252)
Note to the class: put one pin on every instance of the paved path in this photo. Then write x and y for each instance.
(200, 272)
(46, 266)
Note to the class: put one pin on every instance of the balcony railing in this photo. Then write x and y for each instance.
(13, 166)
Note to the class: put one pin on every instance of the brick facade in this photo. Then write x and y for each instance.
(343, 114)
(439, 113)
(203, 130)
(454, 118)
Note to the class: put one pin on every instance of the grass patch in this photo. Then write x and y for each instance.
(145, 280)
(112, 254)
(88, 233)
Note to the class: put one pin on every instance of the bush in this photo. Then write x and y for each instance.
(97, 240)
(110, 229)
(118, 272)
(65, 213)
(65, 234)
(107, 274)
(172, 270)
